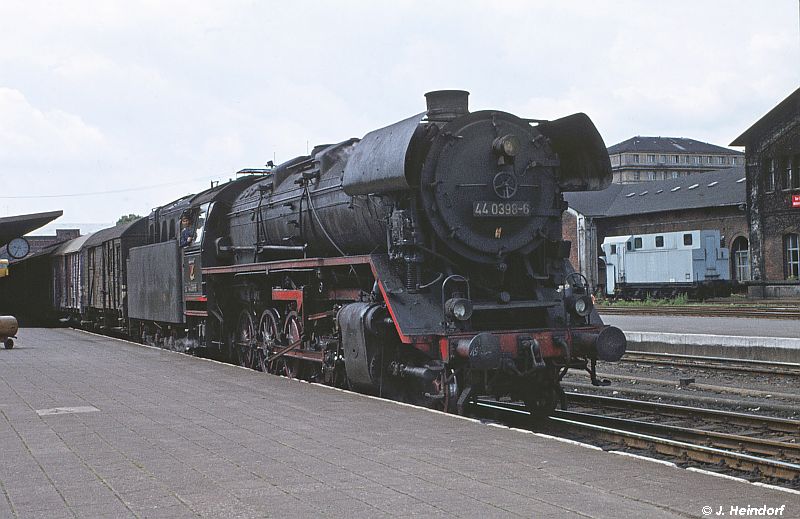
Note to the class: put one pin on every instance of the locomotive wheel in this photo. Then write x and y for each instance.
(244, 340)
(267, 336)
(9, 344)
(447, 386)
(541, 400)
(292, 331)
(284, 367)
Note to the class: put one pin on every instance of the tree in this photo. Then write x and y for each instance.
(127, 218)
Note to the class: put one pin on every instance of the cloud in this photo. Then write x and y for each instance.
(32, 136)
(97, 96)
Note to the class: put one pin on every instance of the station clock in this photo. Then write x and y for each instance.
(18, 248)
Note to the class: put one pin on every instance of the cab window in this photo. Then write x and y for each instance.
(200, 223)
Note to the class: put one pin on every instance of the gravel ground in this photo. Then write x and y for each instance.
(768, 394)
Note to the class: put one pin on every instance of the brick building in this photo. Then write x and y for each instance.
(712, 200)
(642, 159)
(38, 243)
(772, 150)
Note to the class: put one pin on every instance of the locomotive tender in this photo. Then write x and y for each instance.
(423, 262)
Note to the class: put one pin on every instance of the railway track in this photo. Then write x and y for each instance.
(715, 363)
(762, 445)
(787, 312)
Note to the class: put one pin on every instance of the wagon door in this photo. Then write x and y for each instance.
(91, 289)
(611, 278)
(119, 280)
(711, 256)
(108, 269)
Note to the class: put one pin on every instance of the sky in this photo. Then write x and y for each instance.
(109, 108)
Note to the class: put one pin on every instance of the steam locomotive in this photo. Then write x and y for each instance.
(423, 262)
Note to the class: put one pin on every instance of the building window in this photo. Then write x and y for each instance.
(635, 158)
(795, 173)
(787, 173)
(675, 159)
(663, 159)
(637, 243)
(709, 159)
(636, 175)
(652, 175)
(791, 249)
(651, 159)
(771, 175)
(741, 259)
(721, 160)
(674, 174)
(659, 241)
(687, 239)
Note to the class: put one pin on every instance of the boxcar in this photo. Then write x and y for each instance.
(68, 268)
(104, 273)
(667, 264)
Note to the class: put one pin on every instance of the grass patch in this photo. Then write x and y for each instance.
(679, 300)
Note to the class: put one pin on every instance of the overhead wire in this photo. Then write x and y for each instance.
(111, 191)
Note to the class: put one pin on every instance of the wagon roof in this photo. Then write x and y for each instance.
(110, 233)
(70, 246)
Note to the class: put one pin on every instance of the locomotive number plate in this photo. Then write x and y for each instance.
(500, 209)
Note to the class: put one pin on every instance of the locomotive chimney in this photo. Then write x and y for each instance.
(446, 105)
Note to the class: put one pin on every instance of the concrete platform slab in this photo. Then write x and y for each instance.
(774, 340)
(176, 436)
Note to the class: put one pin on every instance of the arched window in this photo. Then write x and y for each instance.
(151, 238)
(740, 254)
(164, 230)
(791, 255)
(172, 229)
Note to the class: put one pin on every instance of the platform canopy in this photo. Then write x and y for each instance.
(15, 226)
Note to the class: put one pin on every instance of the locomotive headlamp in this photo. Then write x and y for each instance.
(458, 308)
(580, 305)
(507, 145)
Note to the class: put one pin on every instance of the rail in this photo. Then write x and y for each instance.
(773, 458)
(715, 363)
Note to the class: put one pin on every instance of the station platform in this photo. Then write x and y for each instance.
(98, 427)
(758, 339)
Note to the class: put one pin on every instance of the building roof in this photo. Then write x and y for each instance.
(781, 114)
(723, 187)
(641, 144)
(15, 226)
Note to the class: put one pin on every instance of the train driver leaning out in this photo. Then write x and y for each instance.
(187, 233)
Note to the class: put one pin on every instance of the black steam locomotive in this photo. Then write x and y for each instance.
(423, 262)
